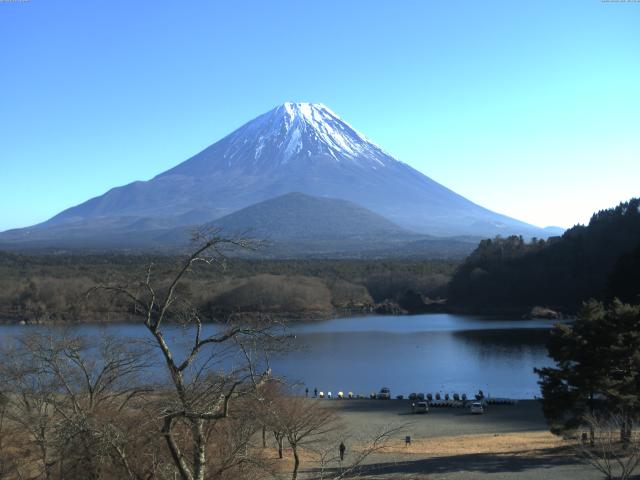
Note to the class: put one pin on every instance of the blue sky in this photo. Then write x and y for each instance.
(531, 109)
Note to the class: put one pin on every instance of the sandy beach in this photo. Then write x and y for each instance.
(506, 442)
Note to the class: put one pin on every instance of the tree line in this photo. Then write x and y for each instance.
(595, 261)
(51, 288)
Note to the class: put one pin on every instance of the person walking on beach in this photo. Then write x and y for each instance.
(306, 392)
(315, 392)
(342, 448)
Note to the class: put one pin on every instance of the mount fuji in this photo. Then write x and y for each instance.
(296, 147)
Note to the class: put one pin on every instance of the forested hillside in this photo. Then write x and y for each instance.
(600, 260)
(47, 288)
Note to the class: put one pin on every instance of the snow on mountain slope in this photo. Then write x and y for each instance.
(296, 147)
(333, 135)
(294, 132)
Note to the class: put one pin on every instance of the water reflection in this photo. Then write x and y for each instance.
(422, 353)
(498, 361)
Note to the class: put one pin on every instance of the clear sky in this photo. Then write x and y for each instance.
(528, 108)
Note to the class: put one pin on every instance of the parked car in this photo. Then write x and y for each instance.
(422, 407)
(384, 394)
(477, 408)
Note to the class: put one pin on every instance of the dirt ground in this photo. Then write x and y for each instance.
(507, 442)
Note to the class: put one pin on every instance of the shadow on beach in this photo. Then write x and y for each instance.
(543, 464)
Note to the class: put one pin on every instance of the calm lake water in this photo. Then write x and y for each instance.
(422, 353)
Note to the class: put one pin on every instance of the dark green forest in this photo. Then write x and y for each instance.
(599, 261)
(597, 366)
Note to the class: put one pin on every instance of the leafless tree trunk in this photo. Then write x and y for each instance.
(200, 397)
(300, 421)
(614, 457)
(61, 390)
(7, 461)
(279, 436)
(75, 399)
(296, 461)
(30, 407)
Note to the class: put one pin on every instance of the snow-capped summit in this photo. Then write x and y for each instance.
(295, 147)
(331, 134)
(303, 133)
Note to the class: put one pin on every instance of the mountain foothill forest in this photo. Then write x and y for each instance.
(53, 287)
(502, 275)
(598, 261)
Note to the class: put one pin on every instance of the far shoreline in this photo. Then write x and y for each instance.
(290, 318)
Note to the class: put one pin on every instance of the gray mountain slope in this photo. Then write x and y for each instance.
(296, 147)
(293, 225)
(296, 224)
(300, 216)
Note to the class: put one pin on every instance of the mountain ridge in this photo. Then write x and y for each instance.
(297, 215)
(297, 225)
(295, 147)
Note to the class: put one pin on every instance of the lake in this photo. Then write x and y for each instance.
(422, 353)
(419, 353)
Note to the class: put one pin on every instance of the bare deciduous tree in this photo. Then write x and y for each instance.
(203, 388)
(614, 457)
(332, 467)
(29, 406)
(62, 393)
(8, 463)
(301, 421)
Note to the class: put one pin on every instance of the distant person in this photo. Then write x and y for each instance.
(413, 407)
(342, 449)
(315, 392)
(306, 392)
